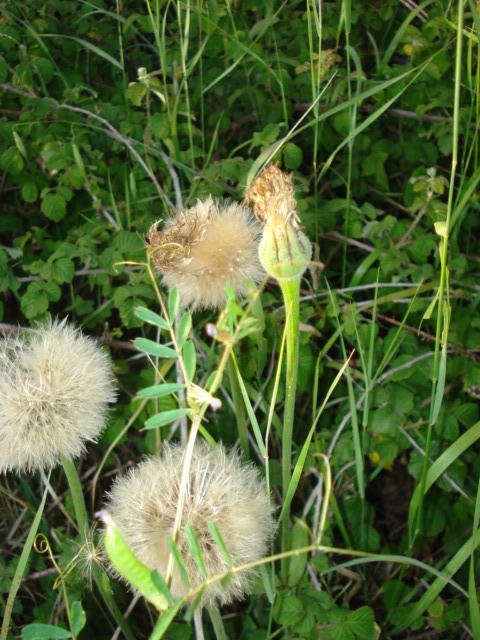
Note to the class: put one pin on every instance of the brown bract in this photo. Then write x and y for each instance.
(272, 195)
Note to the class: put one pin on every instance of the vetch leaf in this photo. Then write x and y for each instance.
(154, 349)
(173, 304)
(190, 358)
(160, 390)
(166, 417)
(152, 318)
(194, 545)
(39, 631)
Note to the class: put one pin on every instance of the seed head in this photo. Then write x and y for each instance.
(285, 250)
(55, 386)
(221, 489)
(203, 248)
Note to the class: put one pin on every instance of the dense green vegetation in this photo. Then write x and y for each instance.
(114, 114)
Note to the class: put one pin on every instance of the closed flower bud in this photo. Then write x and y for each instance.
(204, 247)
(55, 386)
(220, 489)
(285, 250)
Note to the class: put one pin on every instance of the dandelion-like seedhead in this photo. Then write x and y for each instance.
(204, 247)
(221, 489)
(55, 386)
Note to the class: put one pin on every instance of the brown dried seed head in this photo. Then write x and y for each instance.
(273, 195)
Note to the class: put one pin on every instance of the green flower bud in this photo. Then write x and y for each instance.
(285, 250)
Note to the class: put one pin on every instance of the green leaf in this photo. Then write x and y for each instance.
(362, 622)
(184, 328)
(194, 545)
(288, 609)
(160, 390)
(190, 359)
(78, 618)
(177, 556)
(297, 563)
(136, 92)
(152, 318)
(162, 586)
(293, 156)
(165, 418)
(63, 270)
(173, 305)
(154, 349)
(39, 631)
(12, 161)
(54, 206)
(30, 191)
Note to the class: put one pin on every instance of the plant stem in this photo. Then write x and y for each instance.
(83, 527)
(239, 409)
(291, 292)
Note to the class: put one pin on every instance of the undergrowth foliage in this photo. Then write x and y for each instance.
(347, 396)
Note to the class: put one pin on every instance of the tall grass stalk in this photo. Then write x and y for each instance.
(443, 306)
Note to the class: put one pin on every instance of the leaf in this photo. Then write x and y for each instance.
(165, 418)
(190, 359)
(78, 617)
(160, 390)
(63, 270)
(54, 206)
(194, 545)
(12, 161)
(39, 631)
(361, 622)
(30, 191)
(152, 318)
(184, 328)
(173, 305)
(179, 561)
(154, 349)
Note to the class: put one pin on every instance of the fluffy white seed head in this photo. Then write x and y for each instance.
(203, 248)
(55, 386)
(221, 489)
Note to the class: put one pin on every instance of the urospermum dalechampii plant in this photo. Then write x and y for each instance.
(202, 248)
(55, 387)
(143, 505)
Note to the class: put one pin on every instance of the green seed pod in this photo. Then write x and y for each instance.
(285, 250)
(128, 565)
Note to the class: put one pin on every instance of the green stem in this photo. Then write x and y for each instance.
(239, 409)
(217, 622)
(291, 293)
(83, 526)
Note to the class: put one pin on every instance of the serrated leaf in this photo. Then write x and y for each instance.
(160, 390)
(151, 317)
(63, 270)
(361, 622)
(34, 301)
(78, 617)
(54, 206)
(165, 418)
(136, 92)
(154, 349)
(190, 359)
(39, 631)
